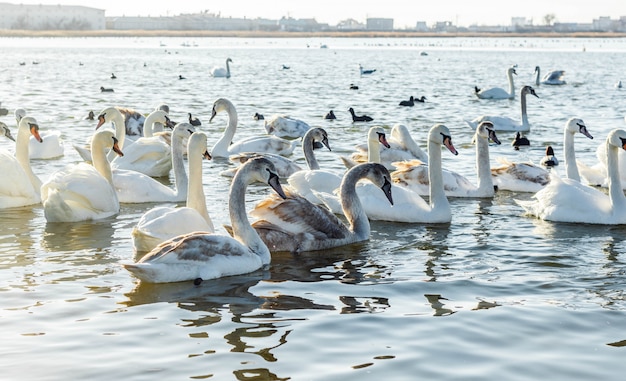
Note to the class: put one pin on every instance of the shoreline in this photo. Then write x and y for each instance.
(262, 34)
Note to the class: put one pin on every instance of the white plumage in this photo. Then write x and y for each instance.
(505, 123)
(498, 92)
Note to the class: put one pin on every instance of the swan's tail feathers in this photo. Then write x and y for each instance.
(349, 163)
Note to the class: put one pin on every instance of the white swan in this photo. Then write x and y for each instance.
(108, 115)
(221, 71)
(529, 177)
(19, 186)
(294, 224)
(164, 222)
(567, 200)
(401, 147)
(135, 187)
(284, 166)
(200, 256)
(225, 146)
(498, 92)
(82, 192)
(307, 182)
(408, 205)
(505, 123)
(150, 154)
(554, 77)
(286, 127)
(51, 146)
(414, 176)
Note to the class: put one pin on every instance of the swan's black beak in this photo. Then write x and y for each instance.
(274, 182)
(387, 190)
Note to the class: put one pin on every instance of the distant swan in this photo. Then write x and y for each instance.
(286, 127)
(365, 71)
(554, 77)
(567, 200)
(498, 92)
(164, 222)
(82, 192)
(295, 225)
(416, 178)
(225, 146)
(201, 256)
(221, 71)
(505, 123)
(50, 146)
(409, 206)
(19, 186)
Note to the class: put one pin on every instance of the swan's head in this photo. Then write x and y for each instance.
(6, 131)
(574, 125)
(198, 143)
(260, 169)
(377, 134)
(617, 138)
(511, 70)
(536, 69)
(106, 140)
(108, 115)
(163, 107)
(28, 123)
(316, 136)
(183, 130)
(228, 60)
(528, 90)
(220, 105)
(486, 130)
(19, 114)
(440, 134)
(400, 132)
(379, 175)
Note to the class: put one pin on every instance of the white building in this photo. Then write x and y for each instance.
(50, 17)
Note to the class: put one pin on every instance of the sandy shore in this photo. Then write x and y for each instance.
(261, 34)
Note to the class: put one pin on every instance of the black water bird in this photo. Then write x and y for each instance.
(359, 118)
(409, 103)
(106, 89)
(330, 115)
(519, 141)
(258, 116)
(193, 120)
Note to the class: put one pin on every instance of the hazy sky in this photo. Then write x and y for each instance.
(404, 12)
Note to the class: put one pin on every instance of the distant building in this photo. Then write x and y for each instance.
(379, 24)
(421, 26)
(50, 17)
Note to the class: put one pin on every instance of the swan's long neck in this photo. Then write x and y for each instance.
(178, 165)
(309, 154)
(195, 193)
(409, 143)
(120, 134)
(571, 168)
(242, 231)
(537, 79)
(227, 68)
(220, 149)
(148, 126)
(351, 204)
(373, 151)
(523, 108)
(483, 167)
(438, 199)
(22, 156)
(616, 193)
(511, 84)
(101, 163)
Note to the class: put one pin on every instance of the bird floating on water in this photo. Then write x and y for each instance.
(106, 89)
(359, 118)
(519, 140)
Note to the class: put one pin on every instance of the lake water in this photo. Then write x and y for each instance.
(492, 295)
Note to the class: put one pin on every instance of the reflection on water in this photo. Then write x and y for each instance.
(74, 236)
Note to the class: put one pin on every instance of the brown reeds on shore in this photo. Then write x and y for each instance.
(282, 34)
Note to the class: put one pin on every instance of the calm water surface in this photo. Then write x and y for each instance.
(492, 295)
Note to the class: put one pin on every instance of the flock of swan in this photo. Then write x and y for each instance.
(390, 177)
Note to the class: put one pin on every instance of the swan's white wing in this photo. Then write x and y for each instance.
(307, 182)
(51, 147)
(15, 187)
(150, 156)
(135, 187)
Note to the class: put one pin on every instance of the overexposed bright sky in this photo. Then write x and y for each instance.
(404, 12)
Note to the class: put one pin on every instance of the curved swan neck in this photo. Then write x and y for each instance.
(309, 154)
(435, 176)
(148, 125)
(537, 79)
(22, 155)
(120, 133)
(351, 204)
(220, 149)
(228, 68)
(523, 107)
(100, 161)
(373, 151)
(178, 164)
(196, 198)
(571, 168)
(483, 168)
(616, 193)
(242, 231)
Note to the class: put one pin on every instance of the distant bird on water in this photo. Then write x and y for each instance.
(353, 86)
(409, 103)
(421, 99)
(365, 71)
(519, 141)
(359, 118)
(181, 77)
(285, 67)
(258, 116)
(194, 121)
(330, 115)
(113, 76)
(549, 160)
(106, 89)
